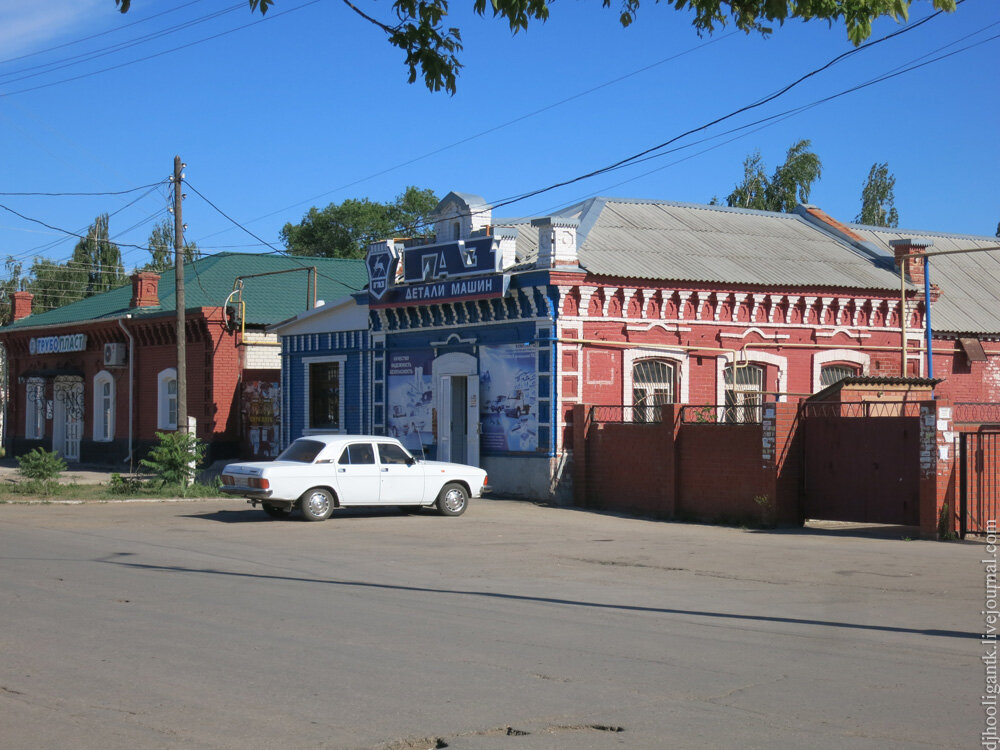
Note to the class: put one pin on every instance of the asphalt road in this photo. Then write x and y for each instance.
(514, 627)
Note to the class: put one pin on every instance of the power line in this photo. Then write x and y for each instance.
(270, 17)
(62, 195)
(99, 34)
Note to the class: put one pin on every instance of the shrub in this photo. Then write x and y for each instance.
(120, 485)
(175, 458)
(41, 465)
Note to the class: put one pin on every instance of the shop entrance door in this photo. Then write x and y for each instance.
(458, 419)
(67, 417)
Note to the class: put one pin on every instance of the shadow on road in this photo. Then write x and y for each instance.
(116, 559)
(252, 515)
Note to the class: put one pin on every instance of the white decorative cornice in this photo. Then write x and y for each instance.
(682, 298)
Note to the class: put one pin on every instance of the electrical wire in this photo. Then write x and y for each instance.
(62, 195)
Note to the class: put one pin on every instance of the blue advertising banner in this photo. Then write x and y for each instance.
(410, 390)
(508, 383)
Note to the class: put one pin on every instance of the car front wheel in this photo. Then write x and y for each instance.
(452, 500)
(316, 504)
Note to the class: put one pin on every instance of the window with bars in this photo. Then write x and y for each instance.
(654, 383)
(104, 407)
(830, 374)
(34, 409)
(744, 393)
(324, 396)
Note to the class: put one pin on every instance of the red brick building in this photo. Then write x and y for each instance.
(96, 380)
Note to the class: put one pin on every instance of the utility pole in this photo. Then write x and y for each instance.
(182, 412)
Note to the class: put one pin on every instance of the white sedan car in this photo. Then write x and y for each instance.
(322, 472)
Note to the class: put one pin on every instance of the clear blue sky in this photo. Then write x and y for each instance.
(312, 106)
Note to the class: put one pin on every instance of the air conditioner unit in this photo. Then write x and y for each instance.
(114, 355)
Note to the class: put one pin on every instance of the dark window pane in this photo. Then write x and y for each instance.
(361, 453)
(303, 451)
(389, 453)
(324, 395)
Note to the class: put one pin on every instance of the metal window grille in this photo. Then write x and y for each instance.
(744, 393)
(831, 374)
(653, 384)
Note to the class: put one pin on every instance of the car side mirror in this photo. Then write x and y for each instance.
(410, 460)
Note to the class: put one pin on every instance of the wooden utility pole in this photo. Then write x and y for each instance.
(182, 412)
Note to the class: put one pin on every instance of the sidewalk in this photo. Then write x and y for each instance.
(78, 473)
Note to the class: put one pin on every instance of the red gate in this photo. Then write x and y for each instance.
(862, 462)
(979, 462)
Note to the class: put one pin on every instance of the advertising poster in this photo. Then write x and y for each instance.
(411, 400)
(261, 405)
(508, 383)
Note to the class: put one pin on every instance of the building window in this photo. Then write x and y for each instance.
(653, 384)
(166, 410)
(831, 374)
(744, 393)
(34, 428)
(104, 407)
(324, 383)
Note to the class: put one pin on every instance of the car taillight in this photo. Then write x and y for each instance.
(486, 480)
(228, 480)
(260, 484)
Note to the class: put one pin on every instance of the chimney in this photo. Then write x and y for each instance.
(21, 304)
(145, 286)
(909, 251)
(556, 242)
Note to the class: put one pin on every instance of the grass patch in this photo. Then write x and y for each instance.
(120, 489)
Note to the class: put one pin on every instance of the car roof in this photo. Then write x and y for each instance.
(334, 439)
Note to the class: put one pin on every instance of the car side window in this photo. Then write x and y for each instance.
(358, 453)
(389, 453)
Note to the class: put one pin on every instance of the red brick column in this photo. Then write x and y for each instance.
(938, 462)
(581, 427)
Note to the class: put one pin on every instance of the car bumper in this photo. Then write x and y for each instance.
(247, 492)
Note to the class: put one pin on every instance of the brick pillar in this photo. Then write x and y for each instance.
(671, 416)
(145, 289)
(909, 251)
(581, 426)
(938, 479)
(21, 304)
(787, 464)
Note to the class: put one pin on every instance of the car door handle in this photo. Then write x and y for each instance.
(341, 471)
(385, 468)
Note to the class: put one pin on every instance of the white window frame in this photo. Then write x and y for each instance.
(831, 356)
(754, 358)
(100, 380)
(163, 380)
(307, 416)
(678, 357)
(34, 409)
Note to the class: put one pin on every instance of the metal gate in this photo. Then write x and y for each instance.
(862, 462)
(979, 480)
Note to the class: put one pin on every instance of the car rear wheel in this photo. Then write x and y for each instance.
(316, 504)
(275, 511)
(452, 500)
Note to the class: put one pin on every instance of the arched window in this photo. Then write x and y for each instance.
(654, 382)
(166, 399)
(744, 393)
(104, 407)
(830, 374)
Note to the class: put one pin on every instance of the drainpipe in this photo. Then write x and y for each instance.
(927, 317)
(131, 385)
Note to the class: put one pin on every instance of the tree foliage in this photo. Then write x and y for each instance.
(343, 230)
(790, 184)
(175, 458)
(420, 28)
(878, 198)
(161, 248)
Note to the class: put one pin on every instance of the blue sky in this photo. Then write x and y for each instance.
(312, 106)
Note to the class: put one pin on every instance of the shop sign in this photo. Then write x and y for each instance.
(458, 290)
(74, 342)
(381, 262)
(477, 255)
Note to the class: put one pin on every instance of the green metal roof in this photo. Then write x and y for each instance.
(208, 282)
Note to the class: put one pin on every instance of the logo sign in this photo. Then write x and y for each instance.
(381, 261)
(461, 258)
(74, 342)
(455, 290)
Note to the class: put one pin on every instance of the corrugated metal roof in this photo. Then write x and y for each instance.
(970, 284)
(208, 281)
(695, 243)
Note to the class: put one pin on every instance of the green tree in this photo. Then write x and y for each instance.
(878, 198)
(161, 248)
(790, 184)
(99, 258)
(420, 26)
(56, 284)
(343, 230)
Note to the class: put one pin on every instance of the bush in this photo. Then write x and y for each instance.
(175, 459)
(120, 485)
(41, 465)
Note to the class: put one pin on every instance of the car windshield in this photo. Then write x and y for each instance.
(302, 451)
